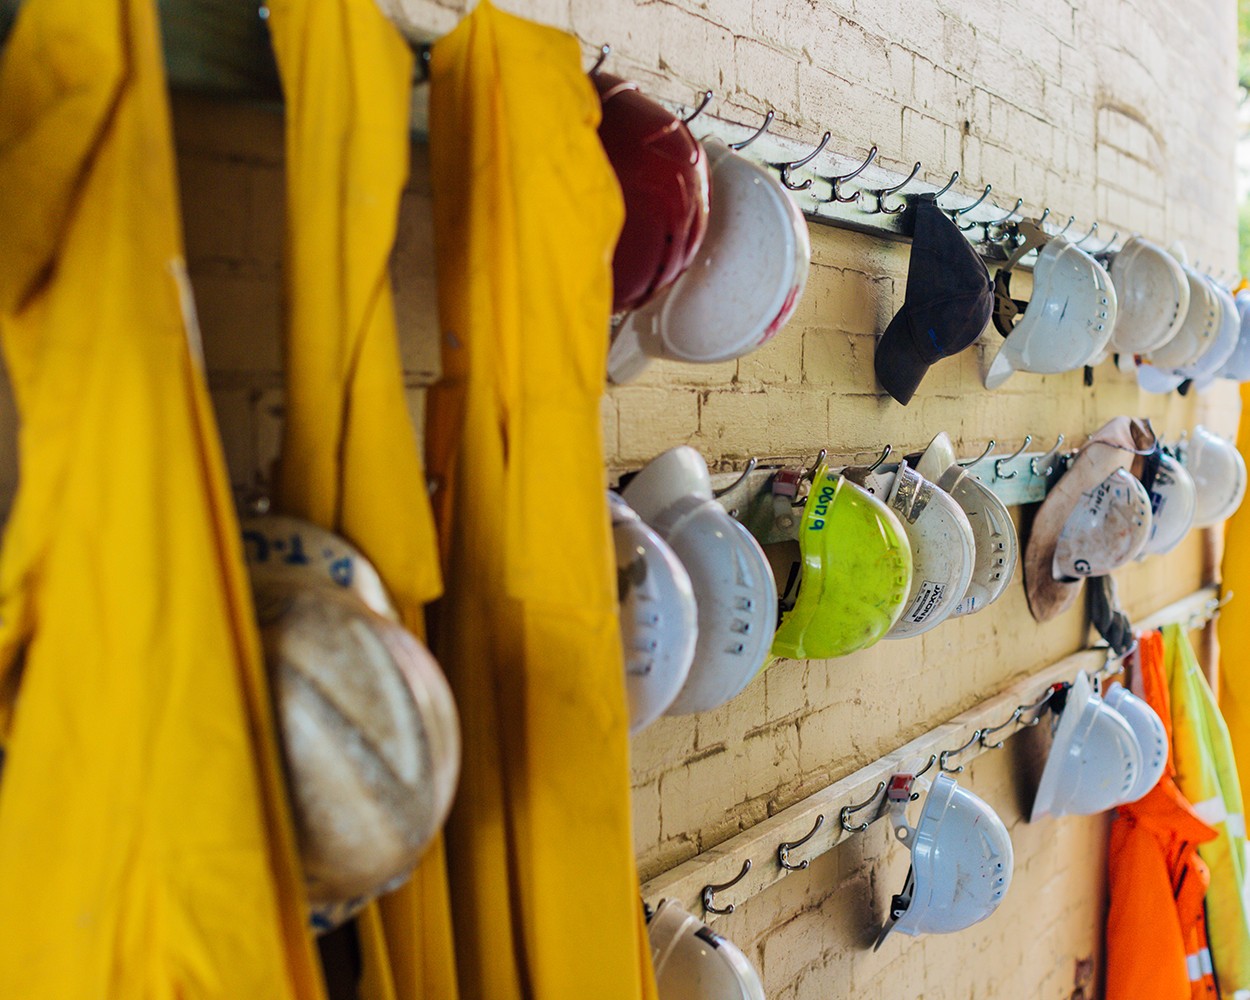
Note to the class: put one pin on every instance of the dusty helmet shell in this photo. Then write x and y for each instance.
(850, 576)
(1153, 296)
(1106, 530)
(1202, 371)
(1094, 761)
(693, 962)
(1173, 500)
(1197, 334)
(1152, 737)
(743, 285)
(658, 618)
(1219, 474)
(733, 584)
(961, 863)
(1068, 320)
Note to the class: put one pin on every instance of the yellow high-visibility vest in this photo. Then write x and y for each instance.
(526, 215)
(350, 460)
(146, 847)
(1207, 776)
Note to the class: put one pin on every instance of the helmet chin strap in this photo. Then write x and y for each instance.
(1007, 309)
(1105, 614)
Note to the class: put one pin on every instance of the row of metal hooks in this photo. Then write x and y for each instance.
(1000, 232)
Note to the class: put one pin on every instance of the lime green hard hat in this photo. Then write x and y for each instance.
(854, 577)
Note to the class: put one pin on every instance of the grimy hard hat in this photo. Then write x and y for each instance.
(961, 861)
(370, 737)
(846, 576)
(733, 585)
(1107, 529)
(1173, 500)
(1203, 371)
(1153, 296)
(658, 617)
(693, 962)
(1197, 334)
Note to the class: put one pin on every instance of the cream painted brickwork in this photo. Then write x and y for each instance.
(1117, 110)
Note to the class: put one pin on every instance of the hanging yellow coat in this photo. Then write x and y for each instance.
(146, 850)
(526, 214)
(1207, 776)
(350, 460)
(1234, 627)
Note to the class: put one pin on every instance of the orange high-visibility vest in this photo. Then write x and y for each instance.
(1234, 627)
(146, 848)
(1156, 932)
(350, 460)
(526, 215)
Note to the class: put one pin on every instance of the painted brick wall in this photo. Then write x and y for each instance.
(1118, 110)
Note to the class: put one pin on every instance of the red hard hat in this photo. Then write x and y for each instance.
(663, 174)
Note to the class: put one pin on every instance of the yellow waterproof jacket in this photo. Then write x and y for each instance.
(146, 850)
(350, 460)
(526, 215)
(1234, 627)
(1207, 776)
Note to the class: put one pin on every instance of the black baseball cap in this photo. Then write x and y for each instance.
(949, 301)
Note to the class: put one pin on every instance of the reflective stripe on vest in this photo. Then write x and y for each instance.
(1212, 811)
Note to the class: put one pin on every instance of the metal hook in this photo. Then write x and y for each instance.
(956, 213)
(883, 193)
(704, 101)
(1048, 458)
(839, 179)
(885, 453)
(1067, 225)
(845, 812)
(1015, 717)
(784, 849)
(981, 457)
(976, 736)
(605, 50)
(710, 891)
(768, 120)
(752, 462)
(1092, 229)
(820, 457)
(785, 168)
(998, 466)
(1006, 218)
(949, 184)
(924, 770)
(1110, 242)
(1041, 219)
(1038, 707)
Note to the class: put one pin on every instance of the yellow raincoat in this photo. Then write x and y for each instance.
(1207, 777)
(146, 850)
(350, 460)
(1234, 627)
(526, 214)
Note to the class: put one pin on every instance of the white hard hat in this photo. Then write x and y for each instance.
(996, 543)
(1094, 761)
(1173, 499)
(369, 731)
(1106, 530)
(658, 618)
(1067, 322)
(1219, 474)
(1237, 367)
(961, 862)
(1197, 334)
(733, 583)
(943, 548)
(1153, 296)
(1157, 380)
(1152, 737)
(1203, 370)
(743, 285)
(693, 962)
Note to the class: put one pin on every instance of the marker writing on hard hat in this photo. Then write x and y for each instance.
(822, 507)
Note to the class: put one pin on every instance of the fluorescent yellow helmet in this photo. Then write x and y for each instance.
(853, 576)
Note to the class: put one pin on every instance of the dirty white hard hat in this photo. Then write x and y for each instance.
(961, 862)
(1067, 322)
(733, 584)
(1197, 334)
(693, 962)
(1202, 371)
(1153, 296)
(994, 534)
(1094, 761)
(1219, 474)
(1107, 529)
(744, 284)
(943, 548)
(1152, 737)
(658, 617)
(369, 731)
(1173, 500)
